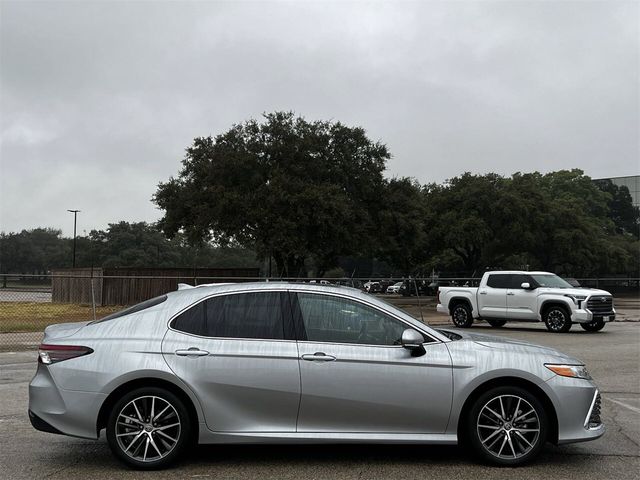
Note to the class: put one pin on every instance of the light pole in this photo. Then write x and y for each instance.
(75, 221)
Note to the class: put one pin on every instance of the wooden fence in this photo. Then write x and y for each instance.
(128, 286)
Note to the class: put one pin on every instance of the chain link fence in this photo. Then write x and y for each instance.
(29, 303)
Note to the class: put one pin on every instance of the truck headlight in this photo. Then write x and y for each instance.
(577, 299)
(574, 371)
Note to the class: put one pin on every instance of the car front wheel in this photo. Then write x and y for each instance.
(557, 319)
(148, 428)
(507, 426)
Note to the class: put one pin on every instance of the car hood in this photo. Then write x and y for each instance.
(517, 346)
(576, 291)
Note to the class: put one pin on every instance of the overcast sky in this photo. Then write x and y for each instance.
(99, 100)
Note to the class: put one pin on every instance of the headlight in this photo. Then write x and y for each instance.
(575, 371)
(577, 299)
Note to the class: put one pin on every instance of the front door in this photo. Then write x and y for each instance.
(357, 378)
(521, 304)
(238, 355)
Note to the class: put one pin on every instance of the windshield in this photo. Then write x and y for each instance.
(552, 281)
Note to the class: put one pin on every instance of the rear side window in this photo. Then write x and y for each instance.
(498, 280)
(245, 315)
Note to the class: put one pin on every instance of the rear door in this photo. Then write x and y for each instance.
(492, 298)
(238, 354)
(521, 304)
(357, 378)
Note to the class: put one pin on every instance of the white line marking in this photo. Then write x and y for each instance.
(617, 402)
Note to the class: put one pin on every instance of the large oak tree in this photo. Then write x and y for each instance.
(289, 188)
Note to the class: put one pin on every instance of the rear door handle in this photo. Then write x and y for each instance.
(318, 357)
(192, 352)
(510, 293)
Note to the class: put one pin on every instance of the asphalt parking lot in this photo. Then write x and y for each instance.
(613, 357)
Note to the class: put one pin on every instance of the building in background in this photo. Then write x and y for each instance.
(632, 182)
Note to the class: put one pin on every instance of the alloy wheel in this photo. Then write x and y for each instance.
(460, 316)
(508, 427)
(148, 428)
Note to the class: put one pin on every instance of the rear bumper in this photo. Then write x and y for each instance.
(55, 410)
(442, 309)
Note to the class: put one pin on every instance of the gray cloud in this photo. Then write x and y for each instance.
(98, 100)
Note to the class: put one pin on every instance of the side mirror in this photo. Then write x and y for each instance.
(412, 339)
(525, 285)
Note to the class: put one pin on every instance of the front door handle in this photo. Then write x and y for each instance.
(192, 352)
(483, 292)
(510, 293)
(318, 357)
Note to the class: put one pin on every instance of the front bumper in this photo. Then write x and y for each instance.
(585, 315)
(575, 403)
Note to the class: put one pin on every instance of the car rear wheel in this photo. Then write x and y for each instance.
(557, 319)
(148, 428)
(461, 315)
(593, 326)
(496, 323)
(507, 426)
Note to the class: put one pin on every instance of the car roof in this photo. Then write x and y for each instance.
(524, 272)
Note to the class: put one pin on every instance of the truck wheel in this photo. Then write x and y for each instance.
(461, 315)
(496, 323)
(593, 326)
(557, 319)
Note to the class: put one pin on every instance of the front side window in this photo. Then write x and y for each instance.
(518, 279)
(340, 320)
(244, 315)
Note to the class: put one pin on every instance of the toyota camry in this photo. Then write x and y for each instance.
(295, 363)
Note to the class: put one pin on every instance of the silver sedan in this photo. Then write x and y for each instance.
(301, 363)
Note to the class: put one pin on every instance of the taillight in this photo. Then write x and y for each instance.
(438, 296)
(49, 354)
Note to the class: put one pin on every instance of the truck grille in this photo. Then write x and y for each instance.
(599, 305)
(594, 418)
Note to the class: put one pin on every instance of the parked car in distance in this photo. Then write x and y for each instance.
(412, 287)
(527, 296)
(373, 287)
(301, 363)
(394, 288)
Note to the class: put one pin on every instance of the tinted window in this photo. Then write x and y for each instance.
(519, 279)
(339, 320)
(498, 281)
(245, 315)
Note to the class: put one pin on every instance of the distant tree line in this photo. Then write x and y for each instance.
(304, 196)
(122, 244)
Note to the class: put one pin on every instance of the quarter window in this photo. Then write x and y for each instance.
(245, 315)
(339, 320)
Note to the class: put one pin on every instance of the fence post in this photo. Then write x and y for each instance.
(93, 296)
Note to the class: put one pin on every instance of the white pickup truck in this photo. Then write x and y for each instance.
(527, 296)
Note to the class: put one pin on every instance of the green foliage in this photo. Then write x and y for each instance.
(560, 222)
(287, 188)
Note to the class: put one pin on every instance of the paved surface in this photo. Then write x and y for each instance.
(613, 357)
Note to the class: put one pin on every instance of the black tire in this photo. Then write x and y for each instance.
(164, 451)
(557, 319)
(593, 326)
(496, 323)
(501, 441)
(461, 315)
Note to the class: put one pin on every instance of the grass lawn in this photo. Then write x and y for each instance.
(34, 316)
